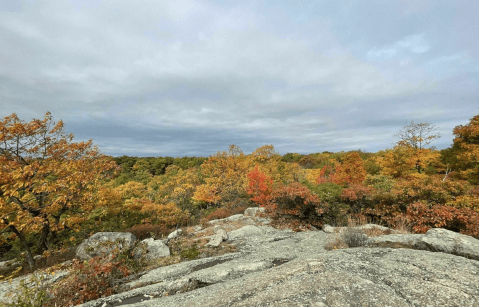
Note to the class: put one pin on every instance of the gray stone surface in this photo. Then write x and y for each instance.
(242, 218)
(262, 220)
(235, 217)
(216, 240)
(102, 243)
(330, 229)
(179, 270)
(354, 277)
(435, 240)
(8, 287)
(175, 234)
(151, 249)
(253, 211)
(446, 241)
(284, 268)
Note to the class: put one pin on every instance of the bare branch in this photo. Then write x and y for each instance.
(417, 135)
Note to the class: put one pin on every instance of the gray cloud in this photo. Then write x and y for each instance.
(191, 77)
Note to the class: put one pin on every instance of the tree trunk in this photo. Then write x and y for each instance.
(42, 241)
(26, 248)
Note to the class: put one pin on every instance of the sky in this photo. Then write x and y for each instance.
(189, 78)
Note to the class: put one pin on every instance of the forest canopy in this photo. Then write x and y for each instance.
(55, 192)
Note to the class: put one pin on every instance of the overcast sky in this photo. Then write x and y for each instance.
(189, 78)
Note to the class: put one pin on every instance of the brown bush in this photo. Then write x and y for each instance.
(90, 280)
(144, 231)
(219, 213)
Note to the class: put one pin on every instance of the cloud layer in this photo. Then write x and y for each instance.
(191, 77)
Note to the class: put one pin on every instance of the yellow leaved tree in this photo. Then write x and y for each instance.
(466, 149)
(47, 182)
(414, 138)
(224, 176)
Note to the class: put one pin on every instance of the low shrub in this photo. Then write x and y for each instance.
(296, 200)
(190, 253)
(144, 231)
(354, 237)
(89, 280)
(424, 216)
(219, 213)
(336, 243)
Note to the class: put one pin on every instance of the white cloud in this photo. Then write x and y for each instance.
(381, 54)
(414, 43)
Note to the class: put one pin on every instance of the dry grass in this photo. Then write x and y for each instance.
(403, 226)
(335, 243)
(353, 236)
(51, 259)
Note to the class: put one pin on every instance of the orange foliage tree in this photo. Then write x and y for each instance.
(415, 137)
(350, 171)
(466, 147)
(47, 182)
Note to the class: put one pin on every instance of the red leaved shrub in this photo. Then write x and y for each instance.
(89, 281)
(295, 200)
(357, 196)
(424, 217)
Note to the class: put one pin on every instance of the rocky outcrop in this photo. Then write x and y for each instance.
(248, 218)
(353, 277)
(281, 267)
(43, 278)
(151, 249)
(253, 211)
(274, 267)
(330, 229)
(219, 237)
(435, 240)
(102, 243)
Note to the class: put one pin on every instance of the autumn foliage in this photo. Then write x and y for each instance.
(91, 280)
(466, 148)
(297, 200)
(47, 182)
(54, 192)
(260, 187)
(351, 170)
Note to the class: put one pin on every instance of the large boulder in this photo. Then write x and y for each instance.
(103, 243)
(368, 227)
(434, 240)
(252, 211)
(151, 249)
(219, 237)
(446, 241)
